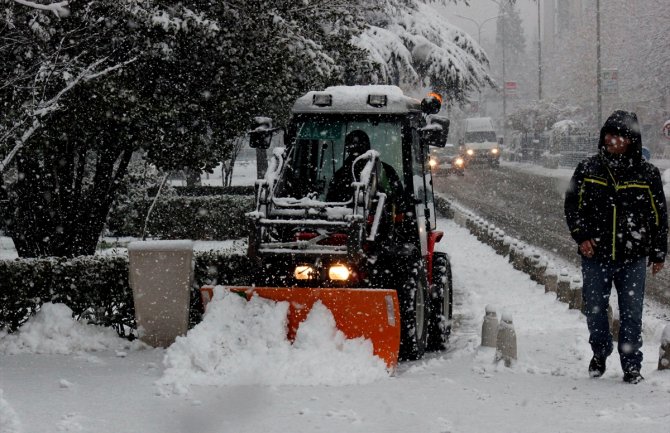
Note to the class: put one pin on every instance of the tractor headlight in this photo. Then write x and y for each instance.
(459, 161)
(432, 162)
(470, 152)
(338, 272)
(304, 272)
(494, 151)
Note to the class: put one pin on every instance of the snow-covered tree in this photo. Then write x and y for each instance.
(417, 47)
(180, 80)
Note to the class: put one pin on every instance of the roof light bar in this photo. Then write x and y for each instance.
(377, 100)
(323, 99)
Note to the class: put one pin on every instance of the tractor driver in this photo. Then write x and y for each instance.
(356, 143)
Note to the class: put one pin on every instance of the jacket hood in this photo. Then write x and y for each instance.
(625, 124)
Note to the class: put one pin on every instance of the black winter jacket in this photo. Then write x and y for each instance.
(619, 204)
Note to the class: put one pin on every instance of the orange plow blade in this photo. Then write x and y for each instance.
(369, 313)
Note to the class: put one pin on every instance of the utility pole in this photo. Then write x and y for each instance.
(539, 54)
(504, 81)
(598, 71)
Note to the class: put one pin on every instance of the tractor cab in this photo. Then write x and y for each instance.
(348, 205)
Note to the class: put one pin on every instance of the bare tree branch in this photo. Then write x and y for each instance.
(46, 107)
(60, 9)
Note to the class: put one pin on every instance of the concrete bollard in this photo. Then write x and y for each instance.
(563, 286)
(506, 341)
(459, 217)
(490, 235)
(513, 250)
(506, 245)
(519, 257)
(664, 351)
(528, 261)
(540, 270)
(490, 327)
(551, 280)
(575, 302)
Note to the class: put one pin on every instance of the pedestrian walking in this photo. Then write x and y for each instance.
(616, 212)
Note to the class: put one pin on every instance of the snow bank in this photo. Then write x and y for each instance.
(9, 420)
(244, 343)
(53, 331)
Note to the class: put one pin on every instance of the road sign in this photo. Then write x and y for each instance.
(510, 88)
(666, 129)
(610, 81)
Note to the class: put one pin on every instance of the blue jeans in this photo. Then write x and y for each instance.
(629, 280)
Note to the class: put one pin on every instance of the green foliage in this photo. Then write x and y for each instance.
(175, 217)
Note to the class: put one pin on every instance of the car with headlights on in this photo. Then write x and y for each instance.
(479, 142)
(447, 160)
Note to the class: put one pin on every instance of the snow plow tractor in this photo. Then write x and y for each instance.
(345, 216)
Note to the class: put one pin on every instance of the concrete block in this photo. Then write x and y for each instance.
(161, 274)
(563, 286)
(664, 351)
(490, 327)
(506, 349)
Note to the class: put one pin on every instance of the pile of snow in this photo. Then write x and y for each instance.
(245, 343)
(9, 421)
(53, 331)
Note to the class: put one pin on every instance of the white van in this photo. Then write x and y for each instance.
(479, 141)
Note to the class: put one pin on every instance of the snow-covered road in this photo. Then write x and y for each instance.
(460, 390)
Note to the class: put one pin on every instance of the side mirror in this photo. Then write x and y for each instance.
(261, 136)
(436, 132)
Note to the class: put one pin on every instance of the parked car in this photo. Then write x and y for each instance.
(447, 160)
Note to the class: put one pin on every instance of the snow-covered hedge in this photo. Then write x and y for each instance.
(96, 288)
(177, 217)
(205, 190)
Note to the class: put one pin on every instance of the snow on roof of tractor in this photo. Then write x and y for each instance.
(357, 100)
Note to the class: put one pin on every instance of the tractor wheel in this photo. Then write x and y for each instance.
(414, 310)
(441, 311)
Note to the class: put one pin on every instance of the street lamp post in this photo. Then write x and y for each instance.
(539, 54)
(479, 42)
(478, 24)
(598, 71)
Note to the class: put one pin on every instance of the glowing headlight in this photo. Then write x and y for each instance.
(303, 272)
(338, 272)
(458, 161)
(470, 152)
(494, 151)
(432, 162)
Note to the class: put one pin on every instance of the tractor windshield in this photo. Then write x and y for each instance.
(319, 152)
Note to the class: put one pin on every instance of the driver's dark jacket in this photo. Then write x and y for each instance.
(623, 210)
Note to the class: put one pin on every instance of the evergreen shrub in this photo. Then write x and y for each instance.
(184, 217)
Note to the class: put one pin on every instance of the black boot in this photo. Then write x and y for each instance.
(632, 376)
(597, 366)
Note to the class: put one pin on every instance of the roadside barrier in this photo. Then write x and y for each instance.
(490, 327)
(575, 302)
(664, 352)
(563, 287)
(506, 350)
(551, 280)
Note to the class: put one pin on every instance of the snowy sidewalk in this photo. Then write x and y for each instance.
(458, 391)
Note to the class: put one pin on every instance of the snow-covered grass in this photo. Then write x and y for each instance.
(236, 373)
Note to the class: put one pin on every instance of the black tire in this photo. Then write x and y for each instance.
(442, 304)
(414, 310)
